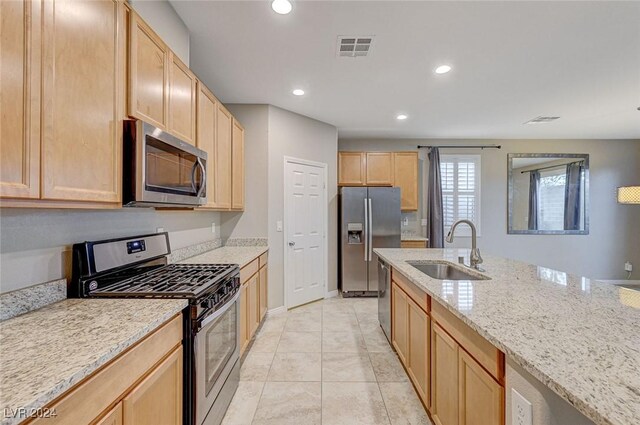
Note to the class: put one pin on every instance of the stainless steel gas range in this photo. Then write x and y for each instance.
(137, 267)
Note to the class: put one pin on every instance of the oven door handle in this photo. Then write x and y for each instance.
(220, 312)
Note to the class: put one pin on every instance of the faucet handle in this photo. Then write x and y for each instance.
(475, 257)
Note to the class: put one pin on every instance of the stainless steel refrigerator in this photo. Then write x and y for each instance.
(369, 218)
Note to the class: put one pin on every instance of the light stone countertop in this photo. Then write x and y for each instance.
(241, 255)
(45, 352)
(411, 238)
(576, 335)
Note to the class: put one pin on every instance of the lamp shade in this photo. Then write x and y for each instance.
(629, 195)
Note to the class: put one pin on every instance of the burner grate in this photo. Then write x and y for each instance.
(178, 280)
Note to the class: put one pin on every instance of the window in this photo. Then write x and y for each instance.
(460, 190)
(551, 189)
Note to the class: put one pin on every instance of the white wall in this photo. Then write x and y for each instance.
(253, 221)
(613, 236)
(297, 136)
(35, 244)
(547, 407)
(164, 20)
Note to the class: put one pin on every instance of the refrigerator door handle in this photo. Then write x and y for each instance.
(370, 230)
(366, 230)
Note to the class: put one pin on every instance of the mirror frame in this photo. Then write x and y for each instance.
(510, 229)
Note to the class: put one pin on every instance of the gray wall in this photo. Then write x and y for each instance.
(35, 244)
(612, 239)
(253, 221)
(300, 137)
(164, 20)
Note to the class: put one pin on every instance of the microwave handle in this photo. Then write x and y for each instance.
(204, 177)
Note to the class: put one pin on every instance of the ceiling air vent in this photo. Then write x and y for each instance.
(541, 120)
(354, 46)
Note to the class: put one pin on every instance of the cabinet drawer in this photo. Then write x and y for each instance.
(488, 356)
(416, 294)
(86, 401)
(263, 259)
(413, 244)
(249, 270)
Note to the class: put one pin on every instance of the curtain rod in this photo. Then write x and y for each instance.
(551, 166)
(462, 147)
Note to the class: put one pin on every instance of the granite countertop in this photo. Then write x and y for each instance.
(413, 238)
(576, 335)
(47, 351)
(241, 255)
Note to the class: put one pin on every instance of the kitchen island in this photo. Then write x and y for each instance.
(577, 336)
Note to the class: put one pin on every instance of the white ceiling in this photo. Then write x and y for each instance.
(512, 61)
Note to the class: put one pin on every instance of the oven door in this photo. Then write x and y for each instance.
(216, 353)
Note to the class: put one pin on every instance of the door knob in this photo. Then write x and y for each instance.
(292, 243)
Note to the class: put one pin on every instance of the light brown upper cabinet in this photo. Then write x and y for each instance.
(148, 74)
(83, 94)
(20, 68)
(405, 176)
(182, 100)
(206, 140)
(351, 168)
(222, 158)
(237, 166)
(379, 168)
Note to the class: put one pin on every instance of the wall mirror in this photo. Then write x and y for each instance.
(548, 194)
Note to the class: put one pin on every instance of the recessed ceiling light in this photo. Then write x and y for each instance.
(281, 6)
(443, 69)
(402, 117)
(298, 92)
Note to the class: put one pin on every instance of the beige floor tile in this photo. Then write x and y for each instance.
(387, 367)
(307, 308)
(338, 307)
(273, 324)
(294, 403)
(295, 367)
(300, 342)
(244, 404)
(256, 366)
(343, 342)
(376, 341)
(304, 322)
(368, 317)
(352, 403)
(403, 405)
(347, 367)
(337, 322)
(366, 305)
(266, 342)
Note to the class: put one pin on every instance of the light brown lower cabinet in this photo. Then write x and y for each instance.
(481, 398)
(399, 322)
(158, 398)
(253, 299)
(113, 417)
(419, 327)
(444, 377)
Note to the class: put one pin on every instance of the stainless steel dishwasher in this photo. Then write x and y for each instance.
(384, 297)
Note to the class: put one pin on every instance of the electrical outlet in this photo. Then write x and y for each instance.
(159, 229)
(628, 267)
(278, 226)
(521, 411)
(405, 221)
(213, 228)
(423, 222)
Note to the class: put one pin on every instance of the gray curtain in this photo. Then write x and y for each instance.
(534, 179)
(435, 219)
(572, 191)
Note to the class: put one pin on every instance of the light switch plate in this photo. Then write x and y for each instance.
(213, 228)
(159, 229)
(423, 222)
(521, 411)
(279, 226)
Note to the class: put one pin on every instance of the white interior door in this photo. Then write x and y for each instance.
(305, 231)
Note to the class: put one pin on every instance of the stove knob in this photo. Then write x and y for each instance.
(207, 303)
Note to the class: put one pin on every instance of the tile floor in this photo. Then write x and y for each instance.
(324, 363)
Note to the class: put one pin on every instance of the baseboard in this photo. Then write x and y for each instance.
(277, 310)
(331, 294)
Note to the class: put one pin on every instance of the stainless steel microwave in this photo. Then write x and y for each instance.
(161, 170)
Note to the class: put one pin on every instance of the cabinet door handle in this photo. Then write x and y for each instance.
(292, 243)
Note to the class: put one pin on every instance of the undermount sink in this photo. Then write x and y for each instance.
(444, 271)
